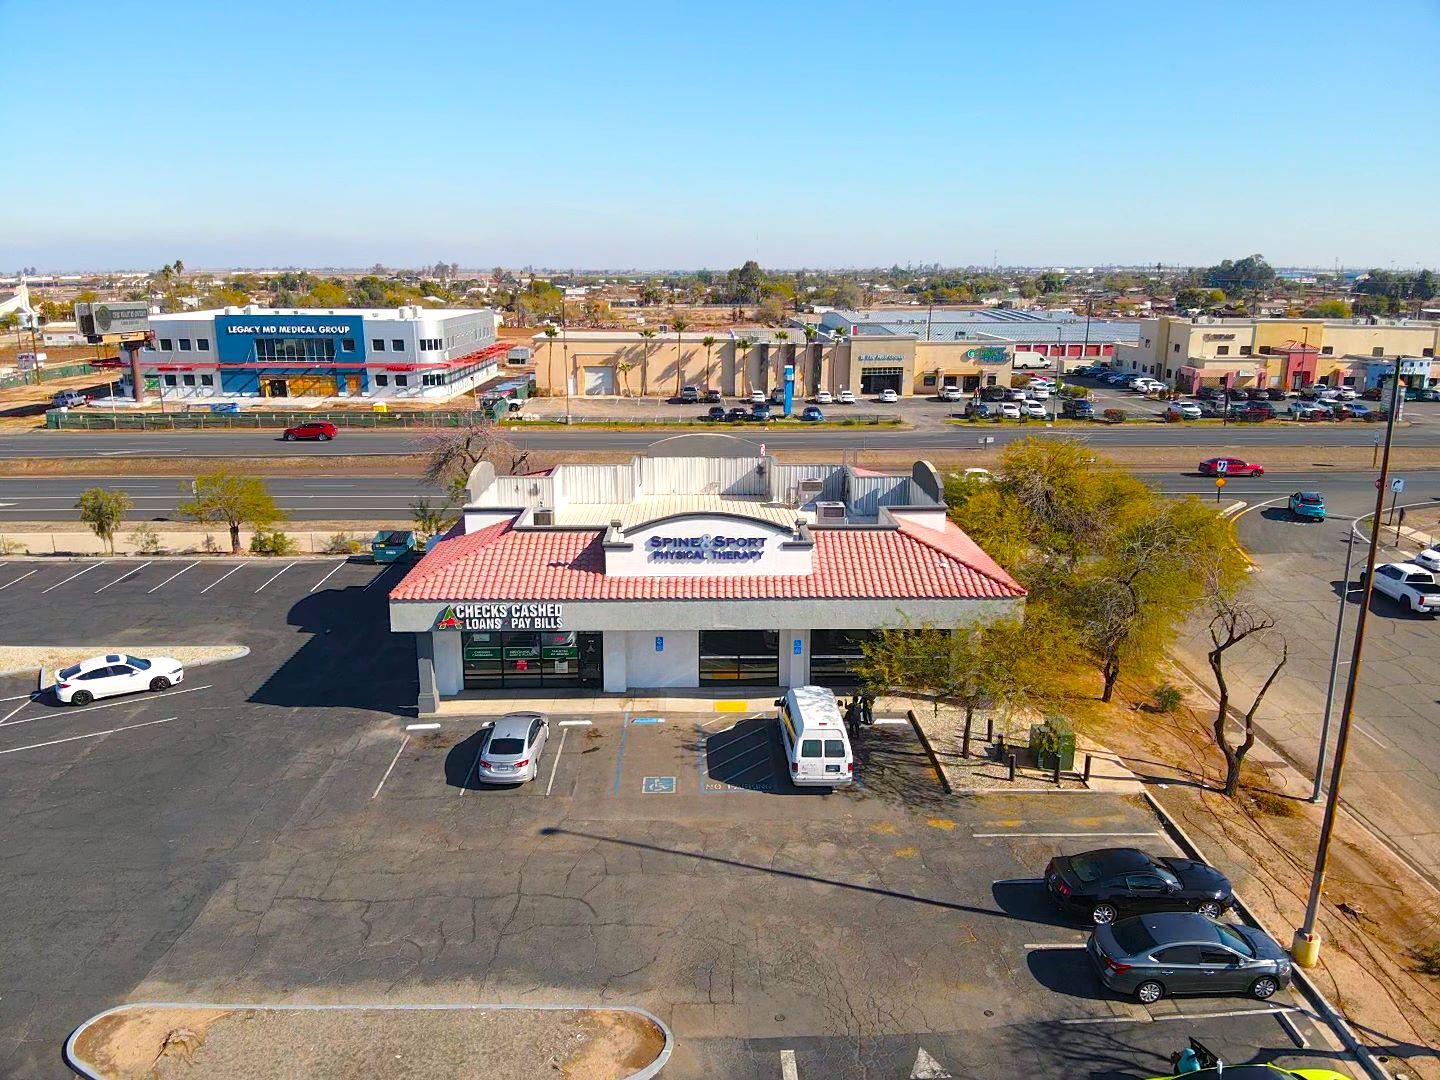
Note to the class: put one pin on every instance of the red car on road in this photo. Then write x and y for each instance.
(321, 429)
(1233, 466)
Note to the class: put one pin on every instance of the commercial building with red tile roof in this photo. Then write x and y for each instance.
(701, 563)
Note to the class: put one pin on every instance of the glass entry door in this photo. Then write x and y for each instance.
(739, 658)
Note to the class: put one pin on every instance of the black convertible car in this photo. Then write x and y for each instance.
(1103, 885)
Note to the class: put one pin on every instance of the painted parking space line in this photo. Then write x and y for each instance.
(891, 721)
(80, 711)
(338, 567)
(122, 577)
(788, 1069)
(22, 577)
(376, 579)
(19, 697)
(1064, 835)
(1044, 946)
(555, 765)
(69, 579)
(620, 758)
(28, 699)
(1372, 738)
(576, 723)
(403, 743)
(276, 575)
(173, 576)
(221, 578)
(89, 735)
(1019, 881)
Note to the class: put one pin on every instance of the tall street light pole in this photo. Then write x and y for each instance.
(1305, 946)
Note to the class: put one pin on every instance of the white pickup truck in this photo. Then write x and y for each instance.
(1408, 584)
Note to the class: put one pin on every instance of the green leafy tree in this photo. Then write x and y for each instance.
(679, 324)
(1330, 309)
(103, 510)
(224, 496)
(1242, 276)
(430, 518)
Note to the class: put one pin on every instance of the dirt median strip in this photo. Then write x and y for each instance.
(159, 1041)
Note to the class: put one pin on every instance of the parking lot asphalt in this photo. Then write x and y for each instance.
(1393, 767)
(270, 830)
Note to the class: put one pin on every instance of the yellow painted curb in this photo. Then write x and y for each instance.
(732, 706)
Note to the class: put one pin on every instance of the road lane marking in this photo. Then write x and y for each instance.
(122, 577)
(78, 710)
(277, 574)
(1063, 835)
(72, 577)
(22, 577)
(788, 1069)
(91, 735)
(555, 767)
(173, 576)
(328, 576)
(217, 581)
(403, 743)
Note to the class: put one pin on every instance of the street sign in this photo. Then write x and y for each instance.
(1397, 485)
(1222, 466)
(1219, 481)
(985, 440)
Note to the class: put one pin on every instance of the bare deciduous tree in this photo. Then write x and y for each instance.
(1234, 622)
(451, 453)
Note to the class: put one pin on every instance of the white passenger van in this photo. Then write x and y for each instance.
(814, 735)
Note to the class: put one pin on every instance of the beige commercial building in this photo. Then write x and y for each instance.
(624, 363)
(1189, 353)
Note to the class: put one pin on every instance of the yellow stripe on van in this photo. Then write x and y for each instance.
(732, 706)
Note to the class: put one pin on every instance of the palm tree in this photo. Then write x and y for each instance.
(551, 334)
(782, 336)
(624, 367)
(709, 342)
(649, 335)
(810, 335)
(742, 346)
(679, 324)
(839, 340)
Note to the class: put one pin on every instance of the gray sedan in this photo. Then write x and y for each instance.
(511, 753)
(1184, 952)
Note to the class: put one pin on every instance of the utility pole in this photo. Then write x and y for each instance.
(1305, 946)
(1334, 672)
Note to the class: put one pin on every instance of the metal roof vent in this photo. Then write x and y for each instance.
(830, 511)
(544, 516)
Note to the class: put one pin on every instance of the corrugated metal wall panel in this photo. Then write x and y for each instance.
(869, 493)
(701, 476)
(582, 484)
(785, 482)
(519, 491)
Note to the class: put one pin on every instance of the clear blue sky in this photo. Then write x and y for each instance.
(689, 135)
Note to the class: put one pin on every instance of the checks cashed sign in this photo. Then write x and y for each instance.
(501, 617)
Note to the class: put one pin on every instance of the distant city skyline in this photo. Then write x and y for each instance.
(842, 136)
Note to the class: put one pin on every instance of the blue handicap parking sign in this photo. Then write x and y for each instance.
(658, 785)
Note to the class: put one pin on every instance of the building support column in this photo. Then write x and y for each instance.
(428, 700)
(613, 645)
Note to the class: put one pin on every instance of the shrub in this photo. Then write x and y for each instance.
(342, 544)
(273, 542)
(1167, 698)
(12, 547)
(1115, 416)
(1049, 737)
(145, 539)
(1070, 390)
(1020, 381)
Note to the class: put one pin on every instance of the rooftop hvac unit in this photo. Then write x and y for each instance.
(830, 511)
(544, 516)
(811, 486)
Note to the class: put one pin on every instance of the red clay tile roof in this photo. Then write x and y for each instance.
(506, 564)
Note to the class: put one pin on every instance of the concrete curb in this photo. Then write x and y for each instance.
(1332, 1016)
(929, 752)
(86, 1069)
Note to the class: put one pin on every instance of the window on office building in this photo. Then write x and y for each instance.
(1245, 350)
(1175, 347)
(1378, 350)
(1264, 350)
(149, 346)
(377, 344)
(202, 344)
(184, 344)
(189, 380)
(397, 344)
(929, 380)
(1222, 350)
(432, 380)
(347, 344)
(1325, 350)
(166, 344)
(402, 380)
(1427, 352)
(207, 380)
(169, 380)
(382, 380)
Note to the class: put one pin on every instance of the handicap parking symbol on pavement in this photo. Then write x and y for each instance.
(658, 785)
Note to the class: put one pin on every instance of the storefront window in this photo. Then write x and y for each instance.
(833, 654)
(521, 658)
(739, 658)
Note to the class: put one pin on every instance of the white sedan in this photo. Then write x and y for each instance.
(115, 673)
(952, 393)
(888, 397)
(1035, 410)
(1038, 393)
(1429, 558)
(846, 397)
(1009, 410)
(823, 398)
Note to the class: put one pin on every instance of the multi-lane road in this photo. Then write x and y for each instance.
(330, 497)
(1423, 432)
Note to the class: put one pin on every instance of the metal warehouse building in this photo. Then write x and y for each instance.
(387, 353)
(702, 563)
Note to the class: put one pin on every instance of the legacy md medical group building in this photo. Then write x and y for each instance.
(253, 352)
(703, 562)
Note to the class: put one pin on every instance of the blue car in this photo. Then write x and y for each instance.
(812, 413)
(1307, 506)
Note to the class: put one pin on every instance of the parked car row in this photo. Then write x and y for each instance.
(761, 413)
